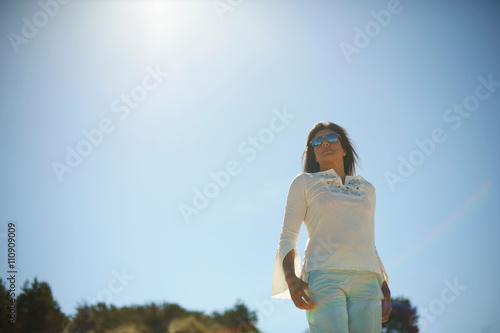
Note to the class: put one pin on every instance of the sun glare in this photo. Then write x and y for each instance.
(159, 17)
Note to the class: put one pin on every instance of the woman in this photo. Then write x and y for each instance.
(343, 285)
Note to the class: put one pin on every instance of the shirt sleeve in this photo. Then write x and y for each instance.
(381, 265)
(295, 211)
(382, 269)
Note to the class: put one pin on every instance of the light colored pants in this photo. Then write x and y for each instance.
(347, 301)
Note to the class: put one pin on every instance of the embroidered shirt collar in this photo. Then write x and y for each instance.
(331, 173)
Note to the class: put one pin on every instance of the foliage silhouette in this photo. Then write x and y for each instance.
(167, 317)
(403, 318)
(4, 309)
(38, 312)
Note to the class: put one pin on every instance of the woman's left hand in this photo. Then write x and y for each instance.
(386, 302)
(386, 309)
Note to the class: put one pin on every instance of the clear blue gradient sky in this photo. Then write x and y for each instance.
(173, 92)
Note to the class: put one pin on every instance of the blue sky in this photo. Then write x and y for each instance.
(174, 92)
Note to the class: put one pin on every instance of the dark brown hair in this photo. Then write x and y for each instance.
(351, 158)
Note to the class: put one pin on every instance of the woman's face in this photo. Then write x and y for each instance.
(327, 153)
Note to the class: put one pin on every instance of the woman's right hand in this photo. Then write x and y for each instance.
(297, 289)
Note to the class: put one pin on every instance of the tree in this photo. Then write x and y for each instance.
(37, 311)
(83, 321)
(403, 318)
(4, 310)
(238, 319)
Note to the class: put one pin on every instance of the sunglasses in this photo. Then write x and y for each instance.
(330, 137)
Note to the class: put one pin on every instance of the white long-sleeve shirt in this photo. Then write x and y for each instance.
(340, 225)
